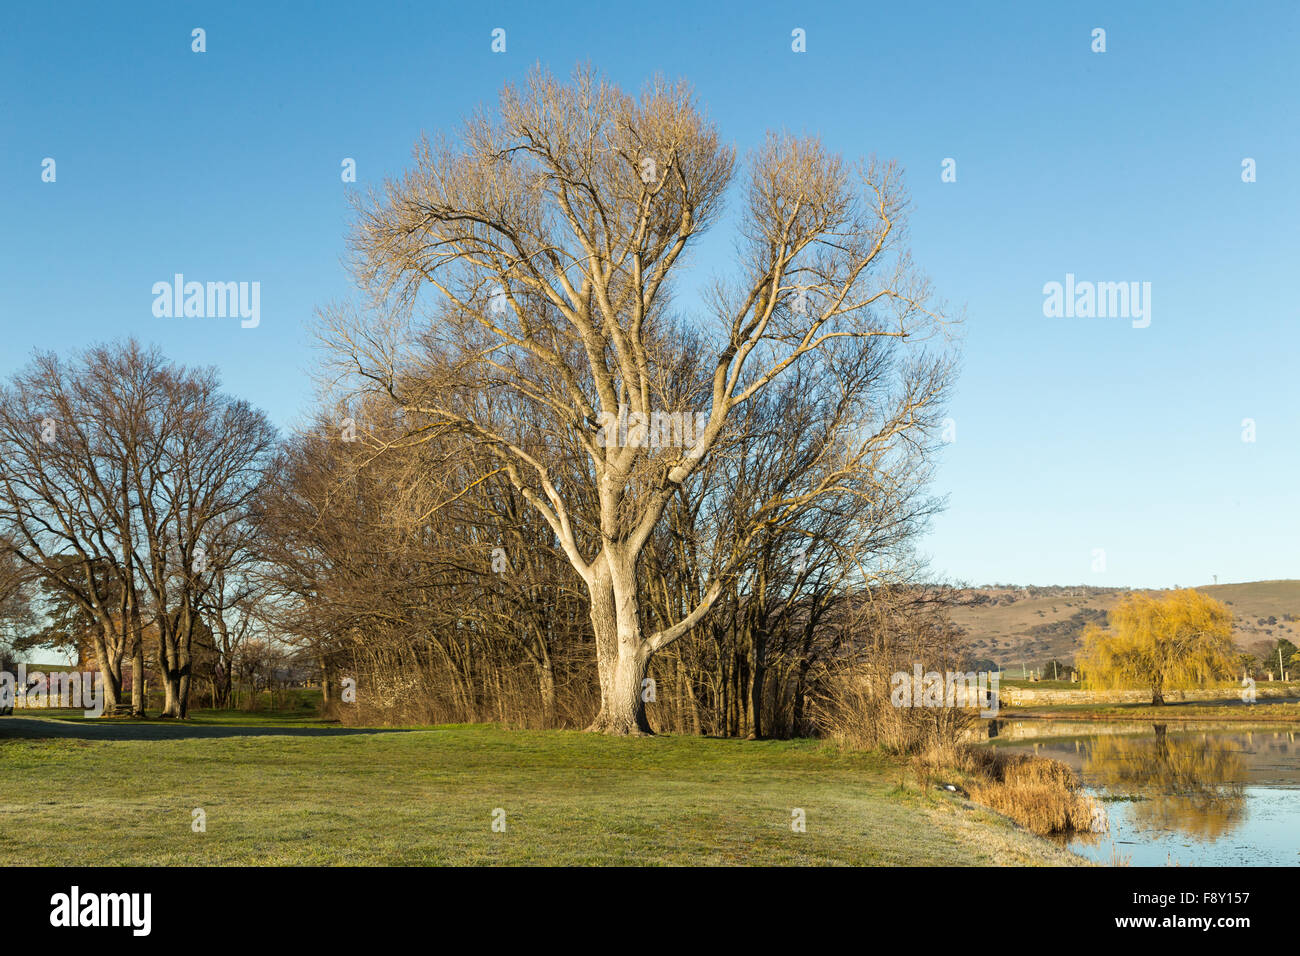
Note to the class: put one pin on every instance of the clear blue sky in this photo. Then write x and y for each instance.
(1072, 434)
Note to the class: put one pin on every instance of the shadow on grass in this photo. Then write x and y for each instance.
(44, 728)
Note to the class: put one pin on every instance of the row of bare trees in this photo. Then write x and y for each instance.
(418, 571)
(545, 484)
(447, 599)
(124, 480)
(519, 317)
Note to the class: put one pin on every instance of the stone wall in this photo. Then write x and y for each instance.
(1029, 697)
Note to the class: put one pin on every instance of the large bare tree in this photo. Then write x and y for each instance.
(123, 476)
(65, 502)
(197, 475)
(520, 283)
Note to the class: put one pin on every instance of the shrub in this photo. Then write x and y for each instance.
(1040, 794)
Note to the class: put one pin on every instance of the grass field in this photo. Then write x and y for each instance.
(297, 791)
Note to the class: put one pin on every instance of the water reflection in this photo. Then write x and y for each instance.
(1207, 794)
(1192, 785)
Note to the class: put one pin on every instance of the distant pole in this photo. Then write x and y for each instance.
(1281, 672)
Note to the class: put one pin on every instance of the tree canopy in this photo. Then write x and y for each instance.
(1174, 641)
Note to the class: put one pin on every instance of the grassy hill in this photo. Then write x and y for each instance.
(1030, 625)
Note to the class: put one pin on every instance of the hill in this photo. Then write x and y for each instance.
(1026, 626)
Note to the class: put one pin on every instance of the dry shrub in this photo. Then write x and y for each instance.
(855, 710)
(1041, 794)
(893, 633)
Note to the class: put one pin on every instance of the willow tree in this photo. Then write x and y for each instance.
(1175, 641)
(520, 283)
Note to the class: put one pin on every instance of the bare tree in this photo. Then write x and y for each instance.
(544, 244)
(384, 570)
(62, 506)
(122, 473)
(16, 595)
(212, 453)
(236, 603)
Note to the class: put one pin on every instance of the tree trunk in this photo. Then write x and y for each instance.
(326, 683)
(623, 713)
(137, 677)
(697, 720)
(171, 694)
(110, 668)
(169, 669)
(223, 688)
(605, 629)
(797, 715)
(186, 644)
(622, 659)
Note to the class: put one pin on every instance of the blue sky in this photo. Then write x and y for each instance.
(1072, 434)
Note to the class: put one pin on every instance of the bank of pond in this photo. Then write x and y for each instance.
(1185, 793)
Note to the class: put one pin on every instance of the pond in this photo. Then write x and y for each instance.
(1178, 794)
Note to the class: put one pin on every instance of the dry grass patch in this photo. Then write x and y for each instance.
(1042, 795)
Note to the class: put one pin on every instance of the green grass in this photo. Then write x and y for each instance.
(297, 791)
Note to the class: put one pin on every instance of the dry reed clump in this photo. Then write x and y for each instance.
(1041, 794)
(855, 709)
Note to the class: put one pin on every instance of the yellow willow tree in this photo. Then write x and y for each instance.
(521, 284)
(1174, 641)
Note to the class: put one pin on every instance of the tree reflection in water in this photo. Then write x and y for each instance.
(1191, 784)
